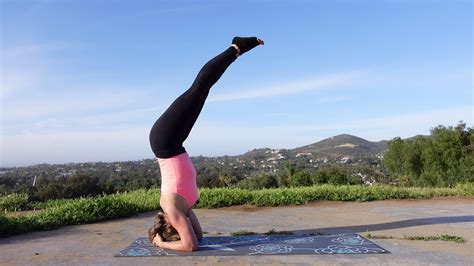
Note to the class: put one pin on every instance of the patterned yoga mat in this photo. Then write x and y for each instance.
(262, 245)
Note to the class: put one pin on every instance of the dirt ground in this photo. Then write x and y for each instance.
(95, 244)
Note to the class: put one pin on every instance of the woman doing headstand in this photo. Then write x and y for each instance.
(177, 227)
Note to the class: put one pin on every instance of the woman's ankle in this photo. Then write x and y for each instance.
(236, 48)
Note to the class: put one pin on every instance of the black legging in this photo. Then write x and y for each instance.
(172, 128)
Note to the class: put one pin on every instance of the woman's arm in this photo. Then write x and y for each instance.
(185, 230)
(195, 224)
(173, 245)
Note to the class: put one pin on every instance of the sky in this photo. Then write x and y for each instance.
(84, 80)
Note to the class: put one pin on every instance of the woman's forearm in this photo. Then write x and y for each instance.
(195, 224)
(178, 246)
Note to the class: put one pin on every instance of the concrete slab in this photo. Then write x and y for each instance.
(95, 244)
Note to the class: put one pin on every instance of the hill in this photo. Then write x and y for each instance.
(343, 145)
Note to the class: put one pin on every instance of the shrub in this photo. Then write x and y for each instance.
(301, 179)
(14, 201)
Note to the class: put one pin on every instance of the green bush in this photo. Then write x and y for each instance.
(338, 176)
(335, 176)
(301, 179)
(355, 180)
(222, 197)
(14, 201)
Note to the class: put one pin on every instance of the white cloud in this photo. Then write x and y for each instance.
(422, 76)
(75, 101)
(294, 87)
(33, 83)
(276, 114)
(12, 54)
(14, 81)
(36, 91)
(79, 146)
(121, 116)
(335, 99)
(405, 122)
(24, 67)
(95, 121)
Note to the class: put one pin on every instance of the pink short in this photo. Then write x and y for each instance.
(178, 175)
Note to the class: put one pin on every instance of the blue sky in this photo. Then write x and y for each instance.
(85, 80)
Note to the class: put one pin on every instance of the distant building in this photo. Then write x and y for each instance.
(303, 154)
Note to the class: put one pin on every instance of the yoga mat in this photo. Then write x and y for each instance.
(262, 245)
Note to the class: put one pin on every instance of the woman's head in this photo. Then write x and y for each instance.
(163, 228)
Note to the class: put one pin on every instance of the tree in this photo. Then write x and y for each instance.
(286, 178)
(259, 182)
(320, 177)
(301, 178)
(207, 181)
(136, 183)
(444, 158)
(338, 176)
(355, 180)
(80, 185)
(50, 191)
(226, 180)
(393, 159)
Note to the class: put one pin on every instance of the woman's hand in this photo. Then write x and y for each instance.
(157, 241)
(181, 223)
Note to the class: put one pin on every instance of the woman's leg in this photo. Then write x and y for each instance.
(174, 125)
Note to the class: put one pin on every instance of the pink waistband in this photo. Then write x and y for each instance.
(178, 175)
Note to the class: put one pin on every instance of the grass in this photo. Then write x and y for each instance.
(57, 213)
(317, 233)
(456, 239)
(245, 232)
(274, 232)
(242, 232)
(81, 211)
(444, 237)
(369, 235)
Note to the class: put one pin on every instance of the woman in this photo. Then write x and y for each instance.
(177, 226)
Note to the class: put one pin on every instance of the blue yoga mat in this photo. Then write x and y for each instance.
(262, 245)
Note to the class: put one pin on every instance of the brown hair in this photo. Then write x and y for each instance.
(163, 229)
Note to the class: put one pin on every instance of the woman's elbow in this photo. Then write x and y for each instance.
(199, 236)
(190, 247)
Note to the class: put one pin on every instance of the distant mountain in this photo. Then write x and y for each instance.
(343, 145)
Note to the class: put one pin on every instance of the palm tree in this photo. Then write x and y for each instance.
(290, 172)
(226, 180)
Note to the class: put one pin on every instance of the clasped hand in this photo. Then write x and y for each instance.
(157, 241)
